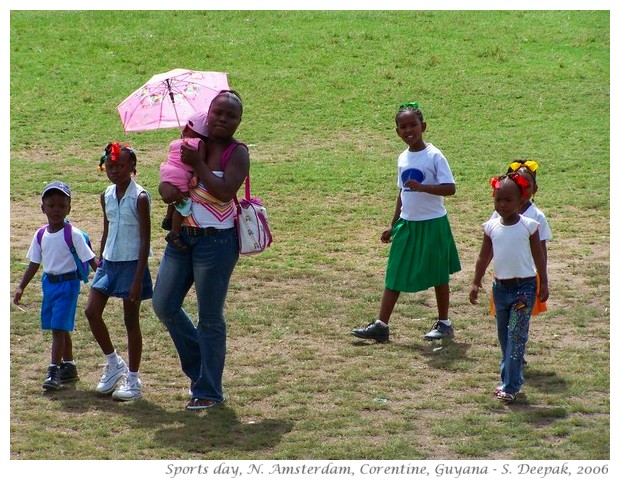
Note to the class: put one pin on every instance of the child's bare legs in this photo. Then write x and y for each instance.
(67, 352)
(131, 311)
(379, 330)
(167, 221)
(116, 367)
(58, 346)
(131, 388)
(442, 294)
(388, 302)
(443, 327)
(174, 236)
(177, 220)
(94, 313)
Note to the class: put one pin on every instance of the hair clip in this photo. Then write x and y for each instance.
(414, 105)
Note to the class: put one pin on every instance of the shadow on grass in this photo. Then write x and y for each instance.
(443, 354)
(217, 428)
(538, 415)
(546, 381)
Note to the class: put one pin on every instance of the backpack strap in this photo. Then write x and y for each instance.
(82, 272)
(40, 233)
(67, 232)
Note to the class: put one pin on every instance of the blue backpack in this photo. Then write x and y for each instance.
(82, 267)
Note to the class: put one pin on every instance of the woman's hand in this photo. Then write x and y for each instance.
(169, 193)
(190, 156)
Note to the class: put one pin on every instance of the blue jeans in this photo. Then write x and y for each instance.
(208, 263)
(513, 306)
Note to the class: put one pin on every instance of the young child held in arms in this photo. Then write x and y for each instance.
(124, 271)
(60, 282)
(512, 241)
(423, 252)
(182, 176)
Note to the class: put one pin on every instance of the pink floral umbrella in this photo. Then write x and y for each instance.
(168, 99)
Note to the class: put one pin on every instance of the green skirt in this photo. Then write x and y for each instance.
(423, 255)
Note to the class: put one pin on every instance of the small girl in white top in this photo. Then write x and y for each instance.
(528, 169)
(124, 271)
(513, 242)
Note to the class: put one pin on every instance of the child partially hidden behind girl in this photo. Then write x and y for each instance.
(512, 241)
(180, 175)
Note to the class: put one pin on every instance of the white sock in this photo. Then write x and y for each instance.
(113, 358)
(72, 362)
(132, 376)
(446, 322)
(382, 323)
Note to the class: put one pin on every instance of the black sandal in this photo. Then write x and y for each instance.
(175, 240)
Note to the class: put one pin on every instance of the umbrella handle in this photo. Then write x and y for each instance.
(174, 105)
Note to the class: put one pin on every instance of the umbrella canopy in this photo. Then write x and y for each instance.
(168, 99)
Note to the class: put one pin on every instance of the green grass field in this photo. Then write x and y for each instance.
(320, 91)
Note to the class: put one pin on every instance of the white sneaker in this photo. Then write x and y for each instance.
(111, 375)
(129, 390)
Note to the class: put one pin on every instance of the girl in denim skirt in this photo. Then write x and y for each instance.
(423, 252)
(124, 272)
(513, 243)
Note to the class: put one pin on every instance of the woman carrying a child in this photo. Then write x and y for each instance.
(211, 256)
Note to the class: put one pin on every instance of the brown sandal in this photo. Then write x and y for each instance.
(174, 239)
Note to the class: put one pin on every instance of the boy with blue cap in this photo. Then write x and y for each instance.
(60, 280)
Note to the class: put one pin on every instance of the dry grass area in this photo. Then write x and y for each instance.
(299, 386)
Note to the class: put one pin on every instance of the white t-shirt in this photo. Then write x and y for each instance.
(431, 168)
(512, 254)
(544, 231)
(54, 252)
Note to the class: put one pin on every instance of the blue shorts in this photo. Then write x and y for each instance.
(114, 279)
(59, 304)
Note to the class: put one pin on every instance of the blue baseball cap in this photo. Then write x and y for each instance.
(57, 185)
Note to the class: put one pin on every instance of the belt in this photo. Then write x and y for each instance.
(63, 277)
(513, 282)
(203, 232)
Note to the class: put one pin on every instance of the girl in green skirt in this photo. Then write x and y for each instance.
(423, 252)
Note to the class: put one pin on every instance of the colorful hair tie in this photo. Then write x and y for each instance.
(531, 165)
(520, 180)
(413, 105)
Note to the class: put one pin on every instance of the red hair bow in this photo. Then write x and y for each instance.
(115, 149)
(518, 179)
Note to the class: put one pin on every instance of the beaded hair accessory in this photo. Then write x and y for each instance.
(515, 177)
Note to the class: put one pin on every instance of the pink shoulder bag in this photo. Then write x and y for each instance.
(250, 217)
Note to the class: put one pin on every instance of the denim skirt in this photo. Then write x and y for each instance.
(114, 279)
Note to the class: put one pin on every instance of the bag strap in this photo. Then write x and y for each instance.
(67, 229)
(224, 160)
(69, 239)
(40, 233)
